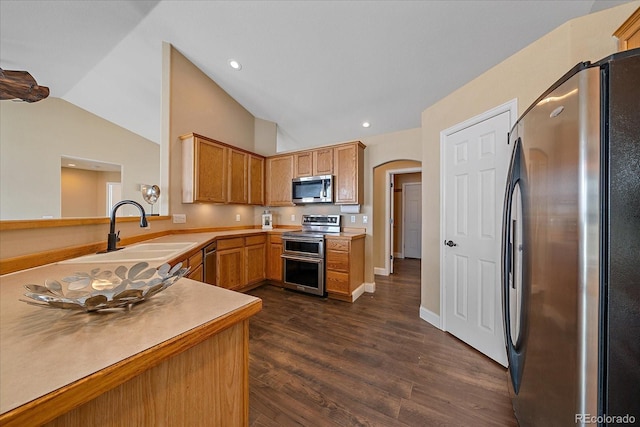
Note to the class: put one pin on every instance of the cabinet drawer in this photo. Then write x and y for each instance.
(338, 245)
(337, 261)
(255, 240)
(275, 238)
(195, 260)
(237, 242)
(337, 282)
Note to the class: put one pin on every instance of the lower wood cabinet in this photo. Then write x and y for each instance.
(241, 261)
(197, 269)
(255, 255)
(344, 260)
(274, 260)
(230, 263)
(195, 263)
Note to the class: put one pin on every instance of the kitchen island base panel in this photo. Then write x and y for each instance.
(205, 385)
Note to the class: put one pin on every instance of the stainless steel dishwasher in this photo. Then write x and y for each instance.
(210, 263)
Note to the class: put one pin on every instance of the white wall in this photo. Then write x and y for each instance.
(34, 136)
(524, 76)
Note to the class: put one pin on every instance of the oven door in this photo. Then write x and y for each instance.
(303, 246)
(303, 274)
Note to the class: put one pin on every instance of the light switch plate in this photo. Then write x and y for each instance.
(353, 218)
(365, 219)
(293, 218)
(238, 217)
(179, 218)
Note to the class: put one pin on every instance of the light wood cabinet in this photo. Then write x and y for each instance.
(230, 263)
(344, 261)
(303, 164)
(348, 167)
(629, 32)
(241, 262)
(211, 364)
(204, 170)
(216, 172)
(278, 179)
(256, 180)
(197, 270)
(255, 255)
(323, 161)
(274, 260)
(344, 161)
(238, 177)
(313, 163)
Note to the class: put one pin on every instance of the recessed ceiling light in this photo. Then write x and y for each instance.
(235, 64)
(72, 165)
(366, 124)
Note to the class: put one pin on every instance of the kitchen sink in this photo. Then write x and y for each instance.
(149, 252)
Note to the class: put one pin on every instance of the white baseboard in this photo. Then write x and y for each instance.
(364, 287)
(430, 317)
(398, 255)
(357, 292)
(370, 287)
(381, 271)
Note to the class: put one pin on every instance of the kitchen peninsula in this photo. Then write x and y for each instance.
(180, 358)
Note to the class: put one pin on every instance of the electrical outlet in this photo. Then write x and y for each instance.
(365, 219)
(293, 217)
(237, 217)
(353, 218)
(179, 218)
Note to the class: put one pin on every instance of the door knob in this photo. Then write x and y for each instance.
(450, 243)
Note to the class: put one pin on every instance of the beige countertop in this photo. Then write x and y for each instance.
(43, 350)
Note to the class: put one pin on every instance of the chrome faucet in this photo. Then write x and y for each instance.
(114, 238)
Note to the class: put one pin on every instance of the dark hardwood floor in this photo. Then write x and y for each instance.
(319, 362)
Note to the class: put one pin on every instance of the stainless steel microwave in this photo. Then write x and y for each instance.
(312, 189)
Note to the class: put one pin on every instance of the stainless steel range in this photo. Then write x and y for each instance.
(303, 253)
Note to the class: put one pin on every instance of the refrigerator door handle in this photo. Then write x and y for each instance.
(512, 252)
(510, 249)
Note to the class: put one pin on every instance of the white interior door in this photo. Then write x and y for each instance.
(474, 177)
(114, 195)
(391, 220)
(412, 222)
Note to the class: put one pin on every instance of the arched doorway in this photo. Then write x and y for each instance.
(387, 224)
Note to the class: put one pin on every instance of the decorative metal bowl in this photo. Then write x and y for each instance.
(101, 290)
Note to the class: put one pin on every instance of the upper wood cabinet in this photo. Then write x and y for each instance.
(213, 171)
(629, 32)
(313, 163)
(238, 177)
(303, 164)
(344, 161)
(348, 167)
(323, 161)
(278, 179)
(204, 170)
(256, 180)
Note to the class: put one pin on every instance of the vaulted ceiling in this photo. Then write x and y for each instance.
(316, 68)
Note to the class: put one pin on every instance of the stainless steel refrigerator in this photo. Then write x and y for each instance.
(571, 250)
